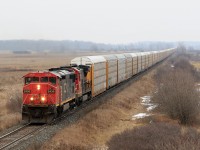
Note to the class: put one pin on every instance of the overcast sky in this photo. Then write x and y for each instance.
(108, 21)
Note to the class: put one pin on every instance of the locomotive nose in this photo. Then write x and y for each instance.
(38, 87)
(39, 90)
(39, 95)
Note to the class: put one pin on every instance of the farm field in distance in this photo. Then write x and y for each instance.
(195, 59)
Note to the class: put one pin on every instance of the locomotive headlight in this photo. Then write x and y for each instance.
(31, 98)
(42, 99)
(38, 87)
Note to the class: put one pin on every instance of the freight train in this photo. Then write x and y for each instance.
(46, 94)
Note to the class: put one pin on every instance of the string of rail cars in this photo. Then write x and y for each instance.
(46, 94)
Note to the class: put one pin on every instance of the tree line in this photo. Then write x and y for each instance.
(68, 45)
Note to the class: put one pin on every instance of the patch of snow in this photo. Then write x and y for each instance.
(172, 66)
(152, 107)
(140, 116)
(146, 101)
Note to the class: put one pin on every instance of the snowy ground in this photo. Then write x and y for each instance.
(146, 102)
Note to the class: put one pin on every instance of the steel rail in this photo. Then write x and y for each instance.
(20, 136)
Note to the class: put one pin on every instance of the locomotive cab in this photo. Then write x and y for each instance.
(39, 89)
(40, 96)
(47, 94)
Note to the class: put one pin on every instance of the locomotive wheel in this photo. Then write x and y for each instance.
(60, 110)
(79, 101)
(71, 105)
(89, 96)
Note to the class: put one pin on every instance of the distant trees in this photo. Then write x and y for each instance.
(181, 48)
(67, 45)
(177, 95)
(21, 52)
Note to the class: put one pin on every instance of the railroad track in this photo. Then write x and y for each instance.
(24, 132)
(18, 135)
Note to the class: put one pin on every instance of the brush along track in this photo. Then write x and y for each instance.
(72, 116)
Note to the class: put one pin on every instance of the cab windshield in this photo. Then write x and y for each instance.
(29, 80)
(44, 79)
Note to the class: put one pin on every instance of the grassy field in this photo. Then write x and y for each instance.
(196, 64)
(12, 69)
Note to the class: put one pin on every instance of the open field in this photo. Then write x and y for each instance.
(195, 59)
(196, 64)
(12, 69)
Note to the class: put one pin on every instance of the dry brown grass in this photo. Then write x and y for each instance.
(156, 137)
(10, 106)
(98, 126)
(8, 120)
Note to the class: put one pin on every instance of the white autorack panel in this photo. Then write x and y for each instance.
(98, 66)
(136, 63)
(121, 67)
(111, 70)
(129, 64)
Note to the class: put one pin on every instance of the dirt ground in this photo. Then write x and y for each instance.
(114, 116)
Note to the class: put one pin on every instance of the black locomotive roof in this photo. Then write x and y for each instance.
(61, 73)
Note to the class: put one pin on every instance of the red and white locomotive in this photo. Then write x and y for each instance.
(47, 93)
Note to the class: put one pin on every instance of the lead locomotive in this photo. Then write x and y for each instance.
(47, 93)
